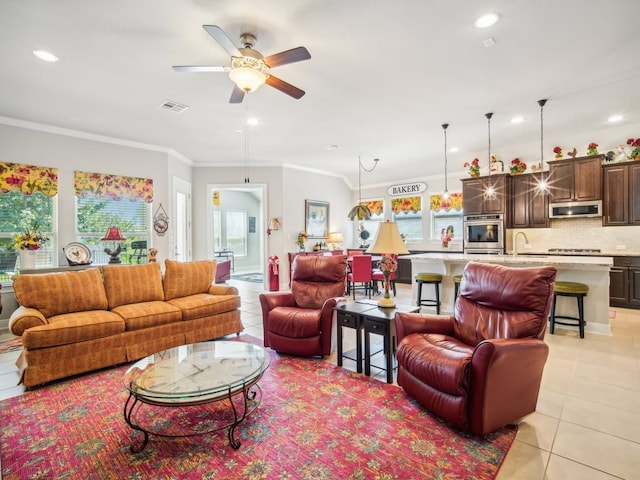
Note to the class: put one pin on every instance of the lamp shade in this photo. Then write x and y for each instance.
(388, 240)
(114, 235)
(247, 79)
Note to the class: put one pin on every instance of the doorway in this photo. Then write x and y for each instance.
(182, 216)
(236, 223)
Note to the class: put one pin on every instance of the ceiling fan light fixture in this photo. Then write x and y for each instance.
(247, 79)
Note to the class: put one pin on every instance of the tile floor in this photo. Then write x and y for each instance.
(587, 424)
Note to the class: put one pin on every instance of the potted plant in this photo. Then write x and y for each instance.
(635, 144)
(517, 166)
(474, 167)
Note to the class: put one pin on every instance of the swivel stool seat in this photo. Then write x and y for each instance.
(569, 289)
(434, 279)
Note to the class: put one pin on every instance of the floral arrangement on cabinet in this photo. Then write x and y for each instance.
(474, 167)
(592, 149)
(558, 153)
(517, 166)
(31, 239)
(635, 144)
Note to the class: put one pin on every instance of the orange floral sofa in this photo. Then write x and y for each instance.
(75, 322)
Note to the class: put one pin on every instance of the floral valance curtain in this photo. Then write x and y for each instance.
(376, 207)
(116, 187)
(28, 179)
(454, 202)
(406, 204)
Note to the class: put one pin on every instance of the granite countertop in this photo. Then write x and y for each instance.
(525, 258)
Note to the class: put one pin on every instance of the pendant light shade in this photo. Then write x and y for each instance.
(359, 211)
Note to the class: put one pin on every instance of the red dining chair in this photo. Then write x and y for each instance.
(360, 273)
(378, 276)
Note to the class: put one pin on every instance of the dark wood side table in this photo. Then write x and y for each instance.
(380, 321)
(350, 315)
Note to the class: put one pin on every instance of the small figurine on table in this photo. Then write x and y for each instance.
(152, 254)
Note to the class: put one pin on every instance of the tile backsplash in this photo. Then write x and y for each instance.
(580, 233)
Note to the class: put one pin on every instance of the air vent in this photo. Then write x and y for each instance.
(173, 106)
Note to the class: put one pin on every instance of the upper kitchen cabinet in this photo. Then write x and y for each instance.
(529, 205)
(477, 198)
(621, 196)
(576, 179)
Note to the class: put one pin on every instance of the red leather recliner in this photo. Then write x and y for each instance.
(299, 322)
(480, 368)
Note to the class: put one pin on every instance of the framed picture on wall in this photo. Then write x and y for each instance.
(316, 219)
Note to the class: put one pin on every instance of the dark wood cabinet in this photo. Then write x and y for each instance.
(576, 179)
(624, 282)
(476, 201)
(621, 194)
(529, 205)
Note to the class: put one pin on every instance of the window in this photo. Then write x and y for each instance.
(237, 233)
(94, 216)
(17, 213)
(27, 197)
(377, 216)
(446, 213)
(407, 213)
(104, 201)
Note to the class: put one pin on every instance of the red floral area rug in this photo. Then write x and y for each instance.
(316, 421)
(11, 345)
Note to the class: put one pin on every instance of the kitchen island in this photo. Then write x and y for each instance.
(590, 270)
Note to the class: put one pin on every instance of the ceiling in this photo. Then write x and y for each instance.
(382, 79)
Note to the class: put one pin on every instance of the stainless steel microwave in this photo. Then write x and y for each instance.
(575, 209)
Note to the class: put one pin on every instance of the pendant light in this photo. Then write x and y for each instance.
(361, 212)
(543, 187)
(489, 191)
(445, 195)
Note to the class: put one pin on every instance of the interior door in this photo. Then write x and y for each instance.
(182, 216)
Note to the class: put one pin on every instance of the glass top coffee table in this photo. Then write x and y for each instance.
(164, 386)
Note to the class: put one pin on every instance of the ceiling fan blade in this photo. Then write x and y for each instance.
(225, 42)
(237, 95)
(289, 56)
(198, 68)
(285, 87)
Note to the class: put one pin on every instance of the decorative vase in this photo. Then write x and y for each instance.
(28, 259)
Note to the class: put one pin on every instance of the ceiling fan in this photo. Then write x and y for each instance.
(249, 69)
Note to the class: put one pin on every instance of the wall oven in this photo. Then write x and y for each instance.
(484, 234)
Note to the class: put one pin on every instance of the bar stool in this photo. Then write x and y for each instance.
(430, 279)
(456, 285)
(569, 289)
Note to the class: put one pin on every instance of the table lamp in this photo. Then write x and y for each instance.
(336, 239)
(386, 242)
(114, 235)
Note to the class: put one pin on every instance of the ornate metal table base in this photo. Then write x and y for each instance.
(250, 397)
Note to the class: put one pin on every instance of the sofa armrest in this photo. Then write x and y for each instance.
(407, 323)
(505, 380)
(24, 318)
(222, 290)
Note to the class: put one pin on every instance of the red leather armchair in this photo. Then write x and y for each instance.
(480, 368)
(299, 322)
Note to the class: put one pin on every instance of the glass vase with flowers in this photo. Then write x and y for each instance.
(302, 237)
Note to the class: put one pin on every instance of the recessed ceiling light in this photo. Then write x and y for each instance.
(485, 21)
(454, 149)
(615, 118)
(46, 56)
(517, 119)
(252, 121)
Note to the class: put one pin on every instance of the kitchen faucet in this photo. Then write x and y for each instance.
(515, 241)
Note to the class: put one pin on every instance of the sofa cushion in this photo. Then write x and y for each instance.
(73, 328)
(187, 278)
(148, 314)
(62, 292)
(127, 284)
(204, 304)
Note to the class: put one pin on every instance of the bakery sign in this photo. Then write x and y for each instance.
(406, 189)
